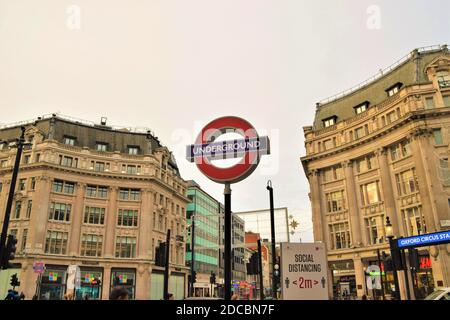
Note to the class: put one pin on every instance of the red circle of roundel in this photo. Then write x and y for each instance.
(240, 170)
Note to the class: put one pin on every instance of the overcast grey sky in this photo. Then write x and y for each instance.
(175, 65)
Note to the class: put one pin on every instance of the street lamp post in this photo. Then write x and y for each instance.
(20, 144)
(393, 247)
(272, 230)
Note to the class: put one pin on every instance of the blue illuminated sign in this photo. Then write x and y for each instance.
(425, 240)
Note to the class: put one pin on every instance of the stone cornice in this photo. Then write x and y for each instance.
(411, 116)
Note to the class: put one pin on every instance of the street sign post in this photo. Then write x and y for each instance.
(304, 271)
(429, 239)
(207, 148)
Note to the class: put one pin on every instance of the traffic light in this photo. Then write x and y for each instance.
(10, 252)
(212, 279)
(252, 266)
(14, 281)
(160, 255)
(414, 259)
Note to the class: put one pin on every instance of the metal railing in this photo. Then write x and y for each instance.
(142, 130)
(380, 74)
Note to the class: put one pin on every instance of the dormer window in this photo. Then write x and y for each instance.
(134, 150)
(443, 78)
(394, 89)
(101, 146)
(69, 140)
(360, 108)
(328, 122)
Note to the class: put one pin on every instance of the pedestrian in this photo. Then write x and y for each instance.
(364, 297)
(35, 297)
(119, 293)
(10, 295)
(234, 297)
(171, 296)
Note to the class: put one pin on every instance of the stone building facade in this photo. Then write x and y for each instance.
(383, 150)
(98, 197)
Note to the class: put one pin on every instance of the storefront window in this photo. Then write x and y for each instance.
(91, 284)
(124, 278)
(157, 285)
(53, 283)
(423, 278)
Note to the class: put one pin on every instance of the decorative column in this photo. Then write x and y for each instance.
(318, 216)
(144, 224)
(359, 275)
(434, 202)
(39, 215)
(110, 223)
(353, 207)
(143, 282)
(390, 205)
(106, 281)
(77, 218)
(426, 185)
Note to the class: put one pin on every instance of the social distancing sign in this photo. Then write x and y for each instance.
(304, 271)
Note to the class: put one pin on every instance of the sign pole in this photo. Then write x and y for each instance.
(227, 244)
(381, 274)
(272, 232)
(261, 283)
(166, 269)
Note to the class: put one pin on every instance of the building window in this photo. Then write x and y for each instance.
(332, 174)
(26, 159)
(29, 207)
(365, 164)
(17, 209)
(24, 240)
(127, 218)
(59, 211)
(94, 215)
(438, 136)
(328, 122)
(407, 182)
(101, 146)
(91, 245)
(129, 194)
(134, 150)
(38, 157)
(429, 103)
(370, 193)
(391, 117)
(362, 107)
(68, 161)
(359, 132)
(56, 242)
(394, 89)
(61, 186)
(96, 191)
(400, 150)
(372, 227)
(443, 78)
(4, 163)
(22, 184)
(125, 247)
(444, 171)
(414, 221)
(340, 235)
(99, 166)
(335, 201)
(69, 140)
(446, 101)
(33, 183)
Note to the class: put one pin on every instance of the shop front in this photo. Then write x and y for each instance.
(344, 280)
(125, 278)
(90, 284)
(53, 283)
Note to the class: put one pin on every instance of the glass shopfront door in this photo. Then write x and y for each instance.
(124, 278)
(91, 284)
(53, 283)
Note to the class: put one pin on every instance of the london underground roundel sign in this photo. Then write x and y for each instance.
(206, 149)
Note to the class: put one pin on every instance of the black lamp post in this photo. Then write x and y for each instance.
(393, 248)
(275, 266)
